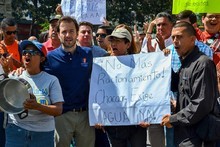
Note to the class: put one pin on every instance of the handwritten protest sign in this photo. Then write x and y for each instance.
(126, 90)
(92, 11)
(197, 6)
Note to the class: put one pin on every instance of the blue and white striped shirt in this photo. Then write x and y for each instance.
(175, 61)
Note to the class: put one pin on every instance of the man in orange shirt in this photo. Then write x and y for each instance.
(9, 57)
(9, 45)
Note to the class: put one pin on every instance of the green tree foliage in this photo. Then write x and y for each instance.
(131, 11)
(118, 11)
(39, 11)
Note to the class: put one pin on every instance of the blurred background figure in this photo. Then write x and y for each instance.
(101, 34)
(43, 37)
(139, 36)
(85, 39)
(53, 39)
(32, 38)
(10, 44)
(164, 24)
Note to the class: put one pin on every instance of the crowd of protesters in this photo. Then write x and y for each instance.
(59, 70)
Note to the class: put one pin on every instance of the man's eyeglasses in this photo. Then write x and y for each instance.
(11, 32)
(213, 16)
(30, 52)
(101, 35)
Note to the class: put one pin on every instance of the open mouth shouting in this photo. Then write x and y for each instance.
(27, 60)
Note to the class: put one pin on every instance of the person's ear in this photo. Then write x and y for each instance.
(193, 38)
(128, 45)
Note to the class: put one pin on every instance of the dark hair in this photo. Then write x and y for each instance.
(43, 37)
(107, 28)
(7, 22)
(165, 14)
(187, 14)
(85, 23)
(67, 19)
(204, 14)
(189, 28)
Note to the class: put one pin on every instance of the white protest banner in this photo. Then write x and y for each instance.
(92, 11)
(126, 90)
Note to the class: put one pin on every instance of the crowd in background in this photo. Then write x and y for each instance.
(60, 60)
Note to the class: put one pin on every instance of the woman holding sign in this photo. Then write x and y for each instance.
(122, 43)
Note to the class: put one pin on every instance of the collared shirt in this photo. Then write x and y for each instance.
(197, 92)
(73, 72)
(48, 45)
(144, 49)
(208, 38)
(175, 61)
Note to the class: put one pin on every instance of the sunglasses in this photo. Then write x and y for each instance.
(101, 35)
(11, 32)
(30, 52)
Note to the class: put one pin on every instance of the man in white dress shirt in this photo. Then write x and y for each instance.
(164, 24)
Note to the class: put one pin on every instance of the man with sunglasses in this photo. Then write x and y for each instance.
(101, 33)
(9, 45)
(85, 39)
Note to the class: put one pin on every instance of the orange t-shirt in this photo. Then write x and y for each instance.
(13, 49)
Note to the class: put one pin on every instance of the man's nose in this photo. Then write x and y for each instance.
(159, 26)
(87, 33)
(174, 39)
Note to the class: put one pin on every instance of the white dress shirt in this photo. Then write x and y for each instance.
(144, 49)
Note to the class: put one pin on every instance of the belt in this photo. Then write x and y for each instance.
(79, 109)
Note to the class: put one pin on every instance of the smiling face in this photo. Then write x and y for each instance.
(67, 35)
(211, 22)
(183, 42)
